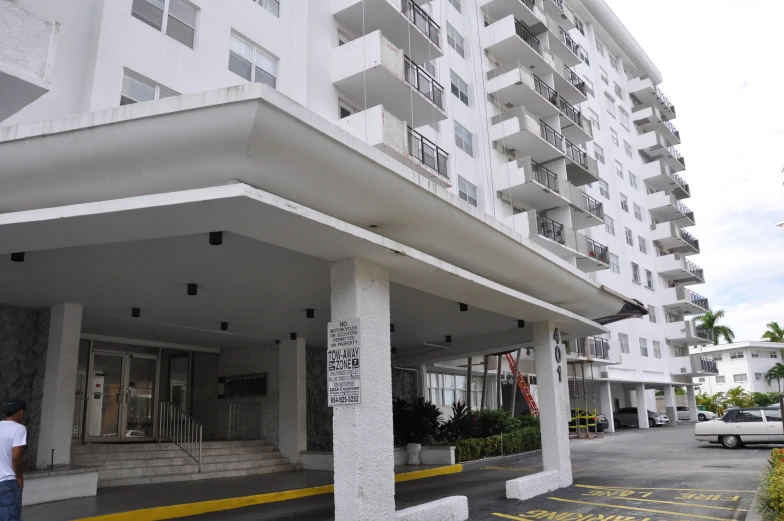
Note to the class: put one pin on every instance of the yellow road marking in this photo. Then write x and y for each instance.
(676, 503)
(676, 489)
(428, 473)
(639, 509)
(507, 516)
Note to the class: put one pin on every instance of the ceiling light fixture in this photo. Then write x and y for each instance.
(292, 336)
(463, 307)
(136, 312)
(216, 238)
(391, 328)
(224, 326)
(193, 289)
(527, 351)
(448, 338)
(18, 256)
(310, 312)
(521, 323)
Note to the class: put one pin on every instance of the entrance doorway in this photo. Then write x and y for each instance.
(122, 397)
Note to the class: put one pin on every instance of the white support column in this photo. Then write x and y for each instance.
(552, 390)
(642, 407)
(422, 384)
(669, 404)
(59, 392)
(363, 445)
(606, 403)
(292, 399)
(693, 414)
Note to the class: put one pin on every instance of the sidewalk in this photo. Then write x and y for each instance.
(228, 493)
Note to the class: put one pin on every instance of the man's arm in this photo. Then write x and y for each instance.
(18, 464)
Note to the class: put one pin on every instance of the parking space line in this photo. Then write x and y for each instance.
(676, 489)
(507, 516)
(639, 509)
(676, 503)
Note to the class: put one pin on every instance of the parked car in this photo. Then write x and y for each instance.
(684, 414)
(627, 417)
(742, 426)
(585, 418)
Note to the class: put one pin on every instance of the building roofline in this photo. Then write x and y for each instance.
(743, 344)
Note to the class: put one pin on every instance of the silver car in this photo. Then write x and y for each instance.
(684, 414)
(627, 417)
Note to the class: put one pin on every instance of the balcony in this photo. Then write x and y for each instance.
(581, 169)
(569, 84)
(667, 208)
(686, 333)
(531, 185)
(557, 9)
(592, 255)
(656, 147)
(525, 10)
(683, 299)
(660, 177)
(693, 365)
(372, 69)
(678, 268)
(574, 125)
(586, 211)
(672, 237)
(648, 94)
(389, 134)
(509, 41)
(513, 85)
(549, 234)
(593, 349)
(650, 119)
(562, 45)
(403, 22)
(519, 129)
(28, 46)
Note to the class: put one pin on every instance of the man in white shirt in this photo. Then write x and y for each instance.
(13, 439)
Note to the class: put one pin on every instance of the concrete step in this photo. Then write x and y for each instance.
(180, 458)
(169, 478)
(94, 448)
(171, 451)
(188, 467)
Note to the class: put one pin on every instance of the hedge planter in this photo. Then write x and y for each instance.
(523, 440)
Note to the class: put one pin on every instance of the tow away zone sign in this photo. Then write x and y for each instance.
(343, 362)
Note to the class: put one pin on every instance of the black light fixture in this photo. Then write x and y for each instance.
(18, 256)
(292, 336)
(521, 323)
(216, 238)
(394, 350)
(463, 307)
(391, 328)
(136, 312)
(448, 338)
(193, 289)
(527, 351)
(310, 312)
(224, 326)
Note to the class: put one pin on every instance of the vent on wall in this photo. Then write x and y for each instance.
(604, 374)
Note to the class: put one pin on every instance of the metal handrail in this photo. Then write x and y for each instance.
(598, 251)
(422, 20)
(428, 153)
(545, 176)
(593, 206)
(689, 238)
(422, 81)
(559, 3)
(674, 151)
(550, 135)
(574, 153)
(571, 44)
(698, 300)
(685, 210)
(672, 128)
(528, 37)
(182, 430)
(664, 100)
(570, 112)
(678, 179)
(708, 366)
(575, 80)
(529, 3)
(244, 421)
(694, 269)
(704, 333)
(545, 90)
(549, 228)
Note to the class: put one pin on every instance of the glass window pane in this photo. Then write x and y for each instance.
(240, 66)
(241, 48)
(180, 32)
(433, 380)
(167, 93)
(449, 381)
(449, 397)
(138, 89)
(461, 396)
(149, 12)
(440, 381)
(183, 12)
(460, 382)
(263, 77)
(266, 62)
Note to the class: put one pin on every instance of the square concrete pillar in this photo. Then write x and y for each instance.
(292, 399)
(669, 404)
(553, 396)
(606, 403)
(59, 392)
(691, 396)
(642, 407)
(363, 444)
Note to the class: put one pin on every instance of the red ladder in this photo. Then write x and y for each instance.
(523, 385)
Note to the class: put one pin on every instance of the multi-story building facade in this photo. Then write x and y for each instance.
(741, 364)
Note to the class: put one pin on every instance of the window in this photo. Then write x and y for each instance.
(459, 87)
(610, 102)
(699, 380)
(643, 347)
(446, 389)
(720, 379)
(656, 349)
(599, 151)
(345, 109)
(604, 189)
(585, 60)
(252, 62)
(455, 40)
(629, 237)
(633, 180)
(136, 89)
(637, 212)
(623, 339)
(619, 169)
(595, 119)
(580, 25)
(600, 48)
(628, 148)
(652, 313)
(642, 244)
(430, 68)
(614, 136)
(613, 62)
(755, 354)
(758, 377)
(618, 91)
(176, 18)
(603, 74)
(748, 416)
(614, 266)
(623, 117)
(736, 355)
(635, 273)
(624, 203)
(455, 4)
(464, 139)
(589, 87)
(773, 416)
(466, 190)
(609, 225)
(739, 378)
(773, 354)
(717, 357)
(273, 6)
(679, 351)
(648, 279)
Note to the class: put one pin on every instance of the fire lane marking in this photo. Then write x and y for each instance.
(639, 509)
(676, 489)
(677, 503)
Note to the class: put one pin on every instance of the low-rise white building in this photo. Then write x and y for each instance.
(741, 364)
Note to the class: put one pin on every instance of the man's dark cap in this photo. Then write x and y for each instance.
(14, 405)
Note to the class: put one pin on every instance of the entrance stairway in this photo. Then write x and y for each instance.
(145, 463)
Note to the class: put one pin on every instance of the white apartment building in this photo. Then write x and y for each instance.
(207, 183)
(741, 364)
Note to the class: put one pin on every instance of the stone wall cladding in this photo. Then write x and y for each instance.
(24, 334)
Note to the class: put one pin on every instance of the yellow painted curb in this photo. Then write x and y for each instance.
(217, 505)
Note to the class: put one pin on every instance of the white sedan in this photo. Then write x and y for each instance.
(684, 414)
(743, 426)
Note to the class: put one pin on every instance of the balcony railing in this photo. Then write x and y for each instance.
(689, 238)
(529, 3)
(704, 333)
(678, 179)
(570, 112)
(672, 129)
(545, 90)
(664, 99)
(571, 44)
(593, 206)
(674, 151)
(708, 366)
(422, 20)
(575, 80)
(428, 153)
(550, 135)
(424, 82)
(694, 269)
(699, 300)
(685, 210)
(550, 229)
(574, 153)
(598, 252)
(595, 346)
(544, 176)
(559, 3)
(527, 37)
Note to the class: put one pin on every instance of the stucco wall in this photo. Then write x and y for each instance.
(24, 334)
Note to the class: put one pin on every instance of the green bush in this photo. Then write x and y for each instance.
(770, 498)
(514, 442)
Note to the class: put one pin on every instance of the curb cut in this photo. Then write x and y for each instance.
(478, 464)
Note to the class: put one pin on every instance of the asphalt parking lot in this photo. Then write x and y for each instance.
(633, 475)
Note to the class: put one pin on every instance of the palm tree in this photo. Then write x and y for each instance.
(775, 332)
(739, 397)
(709, 321)
(776, 373)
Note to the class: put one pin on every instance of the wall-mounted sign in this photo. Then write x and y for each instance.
(242, 386)
(343, 362)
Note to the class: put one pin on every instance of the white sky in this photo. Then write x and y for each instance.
(723, 67)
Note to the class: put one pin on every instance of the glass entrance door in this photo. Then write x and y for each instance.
(105, 397)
